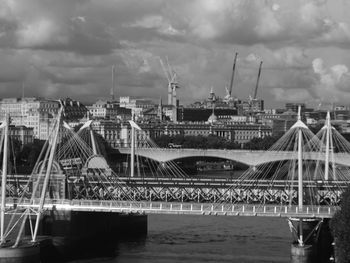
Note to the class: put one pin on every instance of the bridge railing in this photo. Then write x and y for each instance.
(208, 209)
(182, 208)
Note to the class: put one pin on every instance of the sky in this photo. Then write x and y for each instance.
(66, 48)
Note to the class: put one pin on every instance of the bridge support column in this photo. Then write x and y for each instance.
(78, 233)
(311, 240)
(302, 254)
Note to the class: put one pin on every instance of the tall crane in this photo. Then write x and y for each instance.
(171, 76)
(113, 83)
(233, 74)
(173, 84)
(257, 82)
(252, 99)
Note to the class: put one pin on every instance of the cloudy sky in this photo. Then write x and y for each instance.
(60, 48)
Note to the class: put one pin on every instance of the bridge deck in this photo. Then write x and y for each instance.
(225, 183)
(182, 208)
(243, 156)
(204, 182)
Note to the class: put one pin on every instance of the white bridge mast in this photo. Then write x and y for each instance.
(47, 175)
(133, 146)
(4, 178)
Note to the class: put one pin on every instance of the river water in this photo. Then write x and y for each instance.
(186, 238)
(197, 239)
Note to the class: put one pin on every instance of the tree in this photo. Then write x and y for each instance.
(340, 227)
(162, 141)
(261, 143)
(178, 139)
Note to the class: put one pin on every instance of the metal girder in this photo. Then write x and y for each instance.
(195, 190)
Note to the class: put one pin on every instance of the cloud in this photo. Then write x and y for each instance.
(69, 46)
(268, 24)
(333, 82)
(251, 58)
(279, 24)
(53, 25)
(156, 22)
(41, 32)
(291, 95)
(317, 65)
(275, 7)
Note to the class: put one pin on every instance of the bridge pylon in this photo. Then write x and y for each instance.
(5, 125)
(134, 127)
(305, 231)
(29, 252)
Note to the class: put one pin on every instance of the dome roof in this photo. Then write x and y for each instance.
(212, 118)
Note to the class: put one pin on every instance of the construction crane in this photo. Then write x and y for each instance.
(233, 74)
(253, 99)
(257, 82)
(173, 84)
(228, 97)
(113, 83)
(171, 76)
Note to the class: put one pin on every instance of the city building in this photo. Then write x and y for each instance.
(21, 134)
(117, 134)
(252, 106)
(295, 106)
(202, 114)
(240, 133)
(214, 101)
(137, 106)
(33, 113)
(72, 110)
(103, 109)
(111, 131)
(39, 113)
(132, 103)
(279, 122)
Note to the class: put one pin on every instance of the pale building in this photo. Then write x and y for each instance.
(136, 105)
(103, 109)
(39, 113)
(111, 131)
(21, 134)
(30, 112)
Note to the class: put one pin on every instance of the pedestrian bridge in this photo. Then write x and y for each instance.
(144, 207)
(251, 158)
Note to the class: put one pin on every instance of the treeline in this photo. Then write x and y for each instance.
(22, 159)
(341, 229)
(214, 142)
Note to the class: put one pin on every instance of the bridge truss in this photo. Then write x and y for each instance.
(71, 174)
(218, 191)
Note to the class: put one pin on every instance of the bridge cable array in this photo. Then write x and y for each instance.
(275, 179)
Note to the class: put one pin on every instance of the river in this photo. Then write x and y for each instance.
(184, 238)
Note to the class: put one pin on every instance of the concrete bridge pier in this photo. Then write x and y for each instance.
(312, 241)
(76, 233)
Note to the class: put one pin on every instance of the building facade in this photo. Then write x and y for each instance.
(103, 109)
(119, 134)
(38, 113)
(21, 134)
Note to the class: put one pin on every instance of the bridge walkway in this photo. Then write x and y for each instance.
(144, 207)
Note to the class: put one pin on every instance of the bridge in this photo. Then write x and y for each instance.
(196, 191)
(250, 158)
(302, 176)
(178, 208)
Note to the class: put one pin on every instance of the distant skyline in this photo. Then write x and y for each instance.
(66, 48)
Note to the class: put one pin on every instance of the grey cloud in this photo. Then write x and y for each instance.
(7, 33)
(73, 55)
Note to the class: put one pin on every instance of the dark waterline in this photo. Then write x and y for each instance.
(180, 238)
